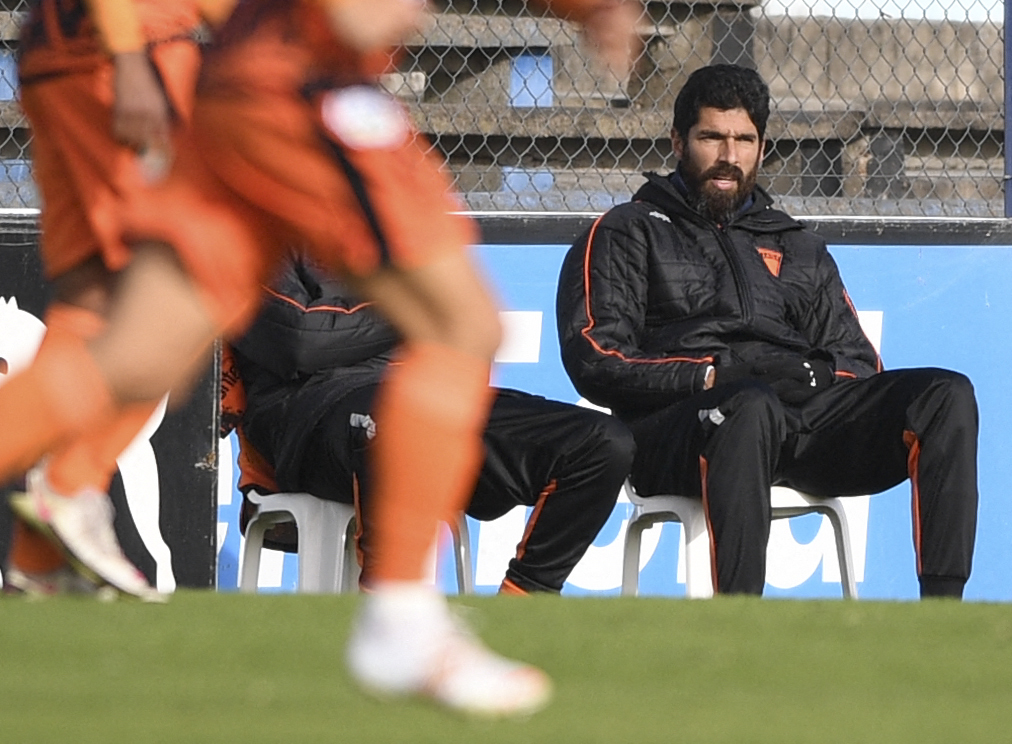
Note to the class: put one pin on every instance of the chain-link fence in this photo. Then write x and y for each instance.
(16, 187)
(888, 108)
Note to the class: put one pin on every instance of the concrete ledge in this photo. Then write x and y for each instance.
(11, 116)
(494, 31)
(10, 24)
(614, 123)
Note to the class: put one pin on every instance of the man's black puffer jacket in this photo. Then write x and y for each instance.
(311, 345)
(654, 293)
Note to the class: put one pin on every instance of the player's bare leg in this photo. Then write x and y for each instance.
(160, 330)
(430, 414)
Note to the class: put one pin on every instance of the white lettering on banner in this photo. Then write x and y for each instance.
(497, 544)
(272, 565)
(521, 337)
(20, 336)
(138, 468)
(226, 488)
(226, 473)
(871, 324)
(21, 333)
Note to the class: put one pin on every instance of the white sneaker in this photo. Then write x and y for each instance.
(82, 526)
(440, 658)
(63, 580)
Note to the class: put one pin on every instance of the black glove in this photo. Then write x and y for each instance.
(731, 373)
(795, 379)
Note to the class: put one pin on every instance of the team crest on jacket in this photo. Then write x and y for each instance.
(772, 258)
(364, 118)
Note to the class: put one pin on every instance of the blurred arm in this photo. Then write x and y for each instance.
(610, 28)
(374, 25)
(141, 115)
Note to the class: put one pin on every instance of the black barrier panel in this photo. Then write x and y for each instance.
(532, 228)
(171, 532)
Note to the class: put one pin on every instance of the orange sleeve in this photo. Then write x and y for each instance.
(118, 25)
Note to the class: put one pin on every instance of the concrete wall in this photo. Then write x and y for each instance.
(890, 116)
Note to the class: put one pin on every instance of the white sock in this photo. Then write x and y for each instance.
(398, 633)
(403, 602)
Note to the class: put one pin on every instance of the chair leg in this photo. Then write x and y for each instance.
(462, 555)
(318, 552)
(341, 553)
(631, 556)
(841, 529)
(698, 561)
(250, 574)
(350, 571)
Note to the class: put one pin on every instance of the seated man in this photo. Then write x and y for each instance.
(719, 330)
(310, 366)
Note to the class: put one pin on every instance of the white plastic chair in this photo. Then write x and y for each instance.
(786, 503)
(326, 529)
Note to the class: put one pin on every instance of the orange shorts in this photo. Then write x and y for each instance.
(343, 175)
(83, 174)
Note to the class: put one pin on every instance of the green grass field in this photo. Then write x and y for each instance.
(231, 668)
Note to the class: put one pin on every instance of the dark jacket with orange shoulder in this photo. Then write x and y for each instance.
(311, 345)
(654, 293)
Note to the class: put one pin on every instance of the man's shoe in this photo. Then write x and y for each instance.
(82, 526)
(445, 662)
(63, 580)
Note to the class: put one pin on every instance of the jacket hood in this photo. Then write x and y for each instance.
(760, 216)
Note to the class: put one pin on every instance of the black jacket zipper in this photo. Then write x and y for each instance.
(738, 272)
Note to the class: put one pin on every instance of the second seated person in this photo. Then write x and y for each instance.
(311, 365)
(719, 329)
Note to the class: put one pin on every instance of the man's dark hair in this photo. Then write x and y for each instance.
(722, 87)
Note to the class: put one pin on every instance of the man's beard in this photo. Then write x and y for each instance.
(716, 204)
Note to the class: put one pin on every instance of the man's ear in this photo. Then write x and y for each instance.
(677, 144)
(762, 150)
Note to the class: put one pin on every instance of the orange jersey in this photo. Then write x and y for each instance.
(62, 36)
(283, 45)
(83, 173)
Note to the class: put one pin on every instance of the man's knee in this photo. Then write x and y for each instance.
(614, 442)
(952, 392)
(753, 404)
(598, 453)
(959, 388)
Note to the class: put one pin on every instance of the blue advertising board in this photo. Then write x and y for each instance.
(923, 305)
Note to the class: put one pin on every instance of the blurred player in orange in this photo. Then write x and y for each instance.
(99, 82)
(293, 143)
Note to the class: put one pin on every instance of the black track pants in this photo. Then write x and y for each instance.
(566, 462)
(731, 444)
